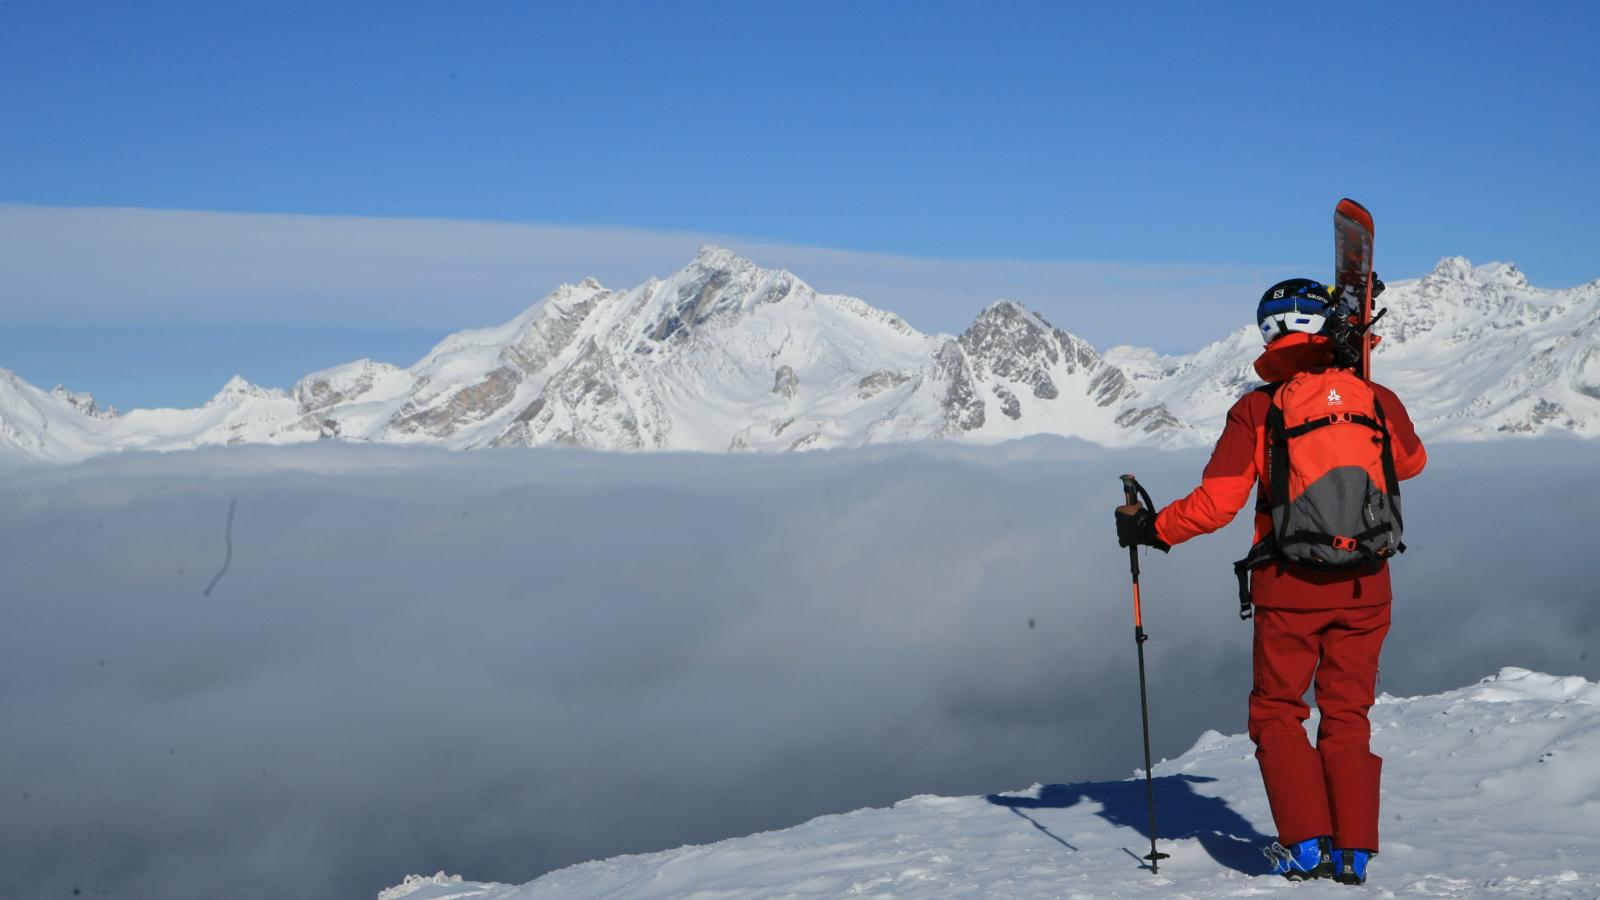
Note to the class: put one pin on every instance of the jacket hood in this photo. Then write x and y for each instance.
(1297, 352)
(1292, 354)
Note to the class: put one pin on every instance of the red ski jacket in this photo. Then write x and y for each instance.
(1238, 464)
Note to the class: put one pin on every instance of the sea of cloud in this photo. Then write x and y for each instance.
(501, 662)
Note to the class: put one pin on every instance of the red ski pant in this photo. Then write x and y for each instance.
(1331, 788)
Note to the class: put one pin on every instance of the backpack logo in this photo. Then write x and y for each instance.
(1333, 398)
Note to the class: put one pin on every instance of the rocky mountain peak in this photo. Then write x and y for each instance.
(83, 402)
(1009, 342)
(238, 389)
(1458, 270)
(1504, 273)
(1450, 269)
(718, 281)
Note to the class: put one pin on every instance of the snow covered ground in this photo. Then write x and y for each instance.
(1489, 790)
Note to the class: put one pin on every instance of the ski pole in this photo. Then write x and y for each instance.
(1134, 491)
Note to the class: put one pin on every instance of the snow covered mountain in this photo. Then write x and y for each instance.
(726, 356)
(1474, 352)
(721, 356)
(1488, 791)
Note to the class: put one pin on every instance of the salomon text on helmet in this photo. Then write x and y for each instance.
(1298, 304)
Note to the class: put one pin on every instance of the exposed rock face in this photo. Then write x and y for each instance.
(594, 401)
(559, 323)
(1150, 420)
(963, 408)
(335, 386)
(429, 416)
(785, 382)
(878, 382)
(1010, 343)
(1009, 405)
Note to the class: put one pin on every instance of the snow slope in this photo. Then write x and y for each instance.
(1490, 790)
(727, 356)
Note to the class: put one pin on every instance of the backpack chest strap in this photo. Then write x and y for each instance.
(1337, 418)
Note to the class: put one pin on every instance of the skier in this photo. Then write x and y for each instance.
(1326, 625)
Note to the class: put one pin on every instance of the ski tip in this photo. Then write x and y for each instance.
(1354, 210)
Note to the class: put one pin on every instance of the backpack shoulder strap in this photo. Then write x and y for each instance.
(1277, 457)
(1263, 504)
(1391, 479)
(1277, 462)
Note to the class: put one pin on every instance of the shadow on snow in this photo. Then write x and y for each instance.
(1180, 814)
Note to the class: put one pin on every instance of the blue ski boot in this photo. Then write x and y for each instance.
(1311, 858)
(1350, 866)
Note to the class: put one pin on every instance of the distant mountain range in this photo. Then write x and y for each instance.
(726, 356)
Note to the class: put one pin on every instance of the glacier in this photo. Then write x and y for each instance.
(726, 356)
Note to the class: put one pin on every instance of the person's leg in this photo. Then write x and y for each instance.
(1345, 685)
(1287, 645)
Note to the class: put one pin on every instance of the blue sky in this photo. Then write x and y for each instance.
(1133, 133)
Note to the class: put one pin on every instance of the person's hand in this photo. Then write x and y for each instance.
(1137, 525)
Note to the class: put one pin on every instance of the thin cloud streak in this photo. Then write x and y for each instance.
(183, 268)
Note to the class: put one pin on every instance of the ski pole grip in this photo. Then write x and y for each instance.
(1130, 489)
(1135, 492)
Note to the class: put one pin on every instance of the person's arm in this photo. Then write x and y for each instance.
(1228, 479)
(1410, 457)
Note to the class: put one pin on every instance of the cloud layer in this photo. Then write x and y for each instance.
(503, 662)
(173, 267)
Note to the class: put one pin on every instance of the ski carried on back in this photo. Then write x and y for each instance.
(1352, 275)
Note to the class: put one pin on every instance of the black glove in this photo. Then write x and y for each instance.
(1139, 528)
